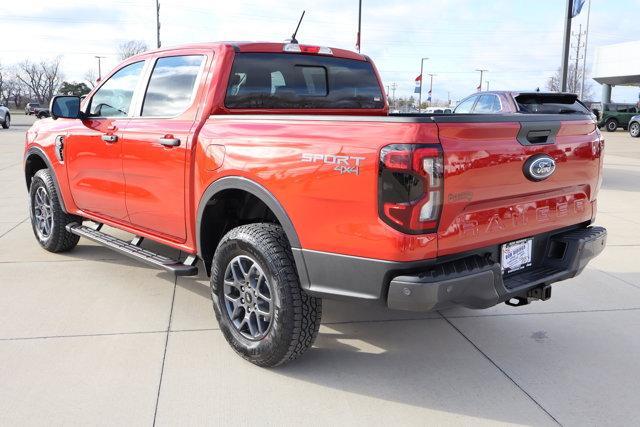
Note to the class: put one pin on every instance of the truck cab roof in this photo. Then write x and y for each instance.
(260, 47)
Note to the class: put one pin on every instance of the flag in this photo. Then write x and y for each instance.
(577, 7)
(418, 84)
(429, 97)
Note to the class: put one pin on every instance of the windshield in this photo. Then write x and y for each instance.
(294, 81)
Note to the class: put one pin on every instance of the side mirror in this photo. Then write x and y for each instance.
(65, 107)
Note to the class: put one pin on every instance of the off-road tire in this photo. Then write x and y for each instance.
(296, 315)
(611, 125)
(6, 123)
(59, 239)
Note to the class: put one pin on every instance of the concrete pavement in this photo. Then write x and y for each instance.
(91, 337)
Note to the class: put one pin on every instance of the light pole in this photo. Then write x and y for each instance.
(158, 24)
(359, 40)
(430, 87)
(393, 90)
(482, 71)
(566, 46)
(420, 93)
(99, 67)
(584, 59)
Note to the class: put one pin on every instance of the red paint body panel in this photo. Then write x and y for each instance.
(94, 167)
(489, 199)
(334, 212)
(154, 191)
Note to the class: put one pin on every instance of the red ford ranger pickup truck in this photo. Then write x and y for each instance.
(278, 166)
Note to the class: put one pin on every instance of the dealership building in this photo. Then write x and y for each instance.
(617, 65)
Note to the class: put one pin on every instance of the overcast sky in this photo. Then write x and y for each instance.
(518, 41)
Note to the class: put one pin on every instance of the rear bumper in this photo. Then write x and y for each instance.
(477, 282)
(473, 280)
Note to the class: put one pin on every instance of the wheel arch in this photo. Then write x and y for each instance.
(241, 184)
(35, 159)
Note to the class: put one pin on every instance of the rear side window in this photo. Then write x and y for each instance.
(294, 81)
(487, 104)
(550, 104)
(466, 105)
(171, 86)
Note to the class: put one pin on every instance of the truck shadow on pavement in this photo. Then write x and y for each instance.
(422, 363)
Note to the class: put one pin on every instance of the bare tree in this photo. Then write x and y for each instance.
(3, 83)
(91, 78)
(11, 89)
(42, 79)
(573, 82)
(130, 48)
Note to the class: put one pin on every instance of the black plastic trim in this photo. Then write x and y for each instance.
(40, 153)
(475, 282)
(133, 250)
(240, 183)
(473, 279)
(410, 118)
(528, 128)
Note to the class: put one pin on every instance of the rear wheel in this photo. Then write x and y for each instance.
(6, 124)
(634, 129)
(48, 220)
(611, 125)
(262, 311)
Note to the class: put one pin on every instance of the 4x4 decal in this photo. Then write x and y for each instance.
(343, 164)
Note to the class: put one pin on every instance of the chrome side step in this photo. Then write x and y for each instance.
(133, 250)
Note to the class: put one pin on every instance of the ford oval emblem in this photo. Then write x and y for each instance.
(539, 167)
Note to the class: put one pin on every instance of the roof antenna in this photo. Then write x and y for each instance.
(293, 36)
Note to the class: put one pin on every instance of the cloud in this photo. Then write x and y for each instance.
(519, 42)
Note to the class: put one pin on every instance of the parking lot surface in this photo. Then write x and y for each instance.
(91, 337)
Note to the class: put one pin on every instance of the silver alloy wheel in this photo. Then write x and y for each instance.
(248, 297)
(42, 213)
(634, 129)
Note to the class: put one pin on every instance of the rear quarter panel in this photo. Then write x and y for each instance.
(331, 212)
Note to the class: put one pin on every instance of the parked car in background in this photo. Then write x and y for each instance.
(438, 110)
(634, 126)
(616, 115)
(31, 108)
(35, 109)
(507, 102)
(5, 117)
(43, 113)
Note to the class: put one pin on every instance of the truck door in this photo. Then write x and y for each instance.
(93, 146)
(156, 144)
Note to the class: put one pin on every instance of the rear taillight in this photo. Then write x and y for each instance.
(410, 187)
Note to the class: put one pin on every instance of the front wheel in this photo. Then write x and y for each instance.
(48, 220)
(634, 129)
(6, 124)
(611, 125)
(262, 311)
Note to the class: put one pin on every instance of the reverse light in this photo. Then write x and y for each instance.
(303, 48)
(410, 187)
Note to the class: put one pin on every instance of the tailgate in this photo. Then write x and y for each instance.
(491, 194)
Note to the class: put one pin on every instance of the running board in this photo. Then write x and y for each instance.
(133, 250)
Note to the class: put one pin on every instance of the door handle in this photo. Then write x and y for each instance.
(169, 142)
(110, 138)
